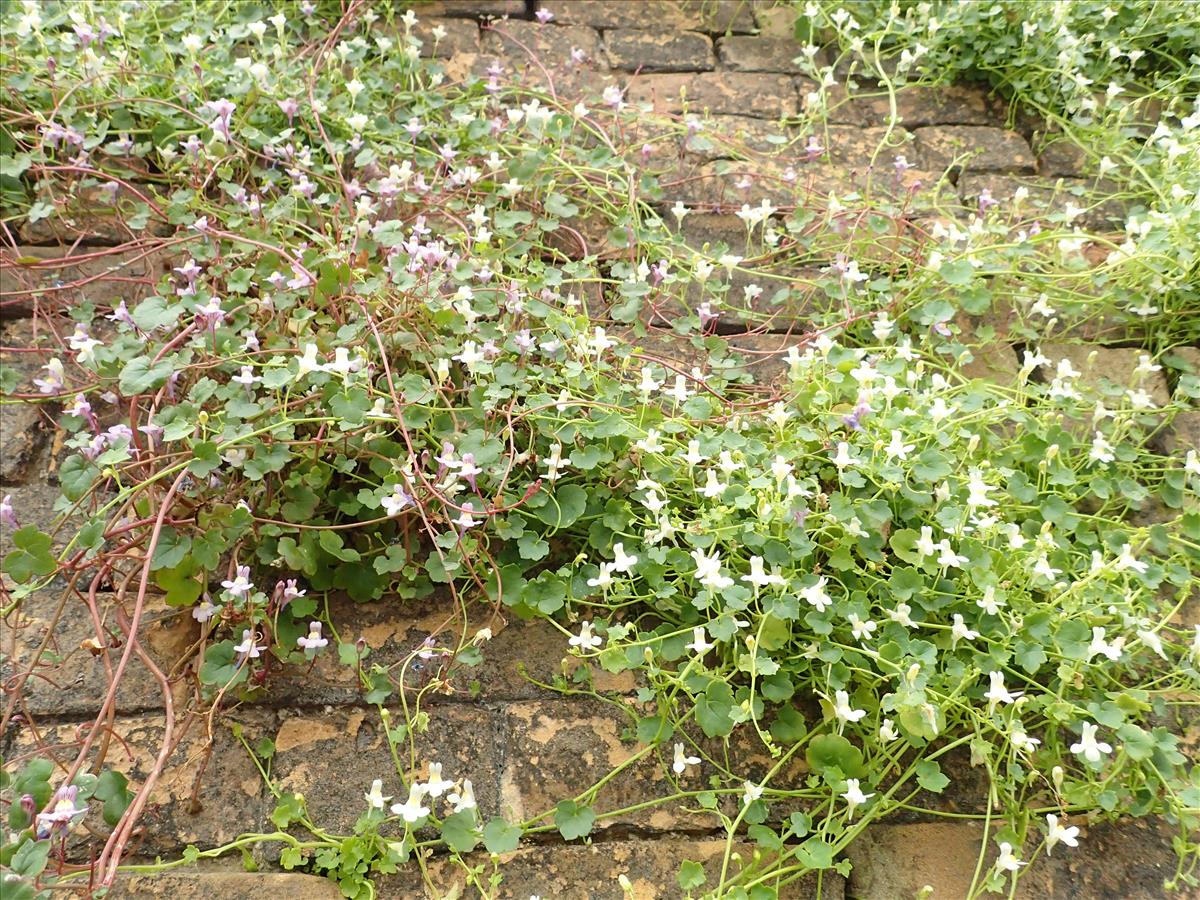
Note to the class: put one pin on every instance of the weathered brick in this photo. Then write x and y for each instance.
(1184, 434)
(590, 872)
(747, 53)
(1127, 860)
(462, 36)
(549, 53)
(1109, 370)
(920, 106)
(92, 215)
(765, 354)
(775, 20)
(854, 147)
(1058, 155)
(722, 137)
(332, 756)
(470, 9)
(557, 748)
(990, 358)
(25, 426)
(45, 277)
(69, 677)
(763, 96)
(1045, 196)
(986, 149)
(709, 16)
(655, 51)
(191, 884)
(517, 648)
(209, 791)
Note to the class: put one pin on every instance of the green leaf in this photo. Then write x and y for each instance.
(691, 875)
(815, 854)
(501, 837)
(32, 557)
(221, 666)
(113, 789)
(563, 507)
(76, 476)
(205, 459)
(289, 809)
(930, 777)
(141, 375)
(573, 821)
(832, 751)
(713, 709)
(459, 832)
(958, 272)
(30, 858)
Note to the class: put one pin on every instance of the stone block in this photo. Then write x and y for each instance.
(985, 149)
(462, 36)
(708, 16)
(92, 215)
(724, 137)
(853, 147)
(548, 61)
(470, 9)
(635, 50)
(920, 106)
(54, 646)
(1045, 196)
(331, 756)
(557, 749)
(760, 95)
(189, 884)
(1128, 860)
(517, 648)
(45, 278)
(1109, 370)
(746, 53)
(591, 872)
(1058, 155)
(1183, 435)
(209, 792)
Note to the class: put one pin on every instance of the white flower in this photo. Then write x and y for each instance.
(861, 630)
(699, 644)
(998, 693)
(435, 785)
(650, 443)
(843, 710)
(1007, 862)
(1101, 450)
(679, 210)
(887, 731)
(781, 469)
(758, 575)
(960, 632)
(682, 760)
(897, 449)
(948, 557)
(585, 640)
(815, 594)
(1088, 747)
(395, 502)
(925, 545)
(1126, 560)
(693, 457)
(978, 491)
(854, 797)
(412, 810)
(1022, 741)
(623, 562)
(901, 615)
(375, 796)
(1191, 463)
(648, 384)
(604, 579)
(1153, 641)
(1056, 833)
(750, 792)
(708, 571)
(463, 799)
(842, 458)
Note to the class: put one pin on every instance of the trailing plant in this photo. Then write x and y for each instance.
(390, 362)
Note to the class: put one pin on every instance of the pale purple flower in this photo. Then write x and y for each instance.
(63, 812)
(249, 648)
(543, 16)
(205, 610)
(240, 586)
(289, 108)
(313, 640)
(121, 314)
(223, 110)
(291, 591)
(7, 516)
